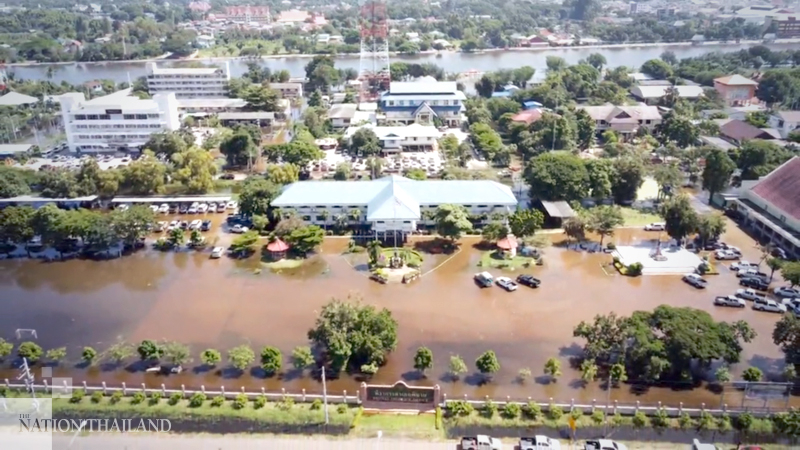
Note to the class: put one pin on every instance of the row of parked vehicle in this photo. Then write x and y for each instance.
(202, 225)
(538, 442)
(485, 279)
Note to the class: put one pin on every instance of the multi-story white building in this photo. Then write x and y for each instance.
(423, 101)
(288, 90)
(205, 82)
(392, 204)
(116, 122)
(411, 138)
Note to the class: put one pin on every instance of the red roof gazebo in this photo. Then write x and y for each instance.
(508, 244)
(277, 248)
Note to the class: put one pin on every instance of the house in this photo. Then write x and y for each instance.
(413, 37)
(293, 17)
(698, 39)
(205, 106)
(248, 14)
(17, 99)
(398, 139)
(392, 205)
(342, 114)
(261, 119)
(738, 131)
(94, 86)
(625, 120)
(785, 122)
(536, 79)
(528, 116)
(323, 38)
(205, 40)
(652, 94)
(442, 44)
(770, 207)
(423, 102)
(735, 90)
(71, 45)
(288, 90)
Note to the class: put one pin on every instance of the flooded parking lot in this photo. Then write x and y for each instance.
(221, 303)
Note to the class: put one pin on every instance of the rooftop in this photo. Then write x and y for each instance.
(735, 80)
(788, 116)
(609, 112)
(13, 149)
(741, 130)
(35, 199)
(422, 87)
(180, 199)
(17, 99)
(528, 116)
(782, 188)
(399, 132)
(258, 115)
(394, 196)
(342, 111)
(660, 91)
(211, 103)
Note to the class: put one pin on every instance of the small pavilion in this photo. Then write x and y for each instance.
(277, 249)
(508, 244)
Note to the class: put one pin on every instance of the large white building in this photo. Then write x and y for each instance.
(116, 122)
(411, 138)
(393, 203)
(423, 102)
(205, 82)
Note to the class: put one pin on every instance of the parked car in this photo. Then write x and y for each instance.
(695, 280)
(751, 272)
(506, 283)
(743, 265)
(755, 283)
(539, 442)
(484, 279)
(154, 208)
(729, 300)
(164, 208)
(239, 229)
(786, 292)
(480, 442)
(749, 294)
(226, 176)
(779, 253)
(604, 444)
(174, 209)
(193, 208)
(183, 209)
(184, 225)
(202, 208)
(231, 205)
(725, 255)
(212, 207)
(160, 226)
(195, 224)
(206, 225)
(655, 226)
(529, 280)
(767, 305)
(123, 207)
(217, 252)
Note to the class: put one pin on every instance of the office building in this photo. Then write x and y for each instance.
(423, 102)
(205, 82)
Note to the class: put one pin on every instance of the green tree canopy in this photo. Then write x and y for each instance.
(452, 221)
(557, 176)
(679, 216)
(238, 148)
(717, 171)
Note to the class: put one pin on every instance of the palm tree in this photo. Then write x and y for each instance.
(325, 215)
(354, 215)
(374, 251)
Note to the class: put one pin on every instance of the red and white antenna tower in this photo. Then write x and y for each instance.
(374, 64)
(3, 76)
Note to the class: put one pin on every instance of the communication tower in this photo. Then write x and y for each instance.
(374, 63)
(3, 76)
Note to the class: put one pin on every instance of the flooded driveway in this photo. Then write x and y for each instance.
(223, 303)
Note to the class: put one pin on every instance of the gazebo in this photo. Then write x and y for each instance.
(508, 244)
(277, 249)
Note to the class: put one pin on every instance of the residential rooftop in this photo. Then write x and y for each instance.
(660, 91)
(781, 188)
(735, 80)
(422, 87)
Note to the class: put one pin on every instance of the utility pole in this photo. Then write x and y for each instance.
(325, 395)
(555, 122)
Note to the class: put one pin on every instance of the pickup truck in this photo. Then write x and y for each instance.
(749, 294)
(539, 442)
(755, 283)
(480, 442)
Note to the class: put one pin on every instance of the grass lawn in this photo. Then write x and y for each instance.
(420, 426)
(492, 259)
(634, 217)
(412, 257)
(284, 264)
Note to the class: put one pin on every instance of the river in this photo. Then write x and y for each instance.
(224, 303)
(632, 56)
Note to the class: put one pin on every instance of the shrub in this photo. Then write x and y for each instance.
(218, 401)
(489, 409)
(97, 397)
(511, 410)
(744, 421)
(316, 404)
(705, 421)
(460, 408)
(640, 420)
(175, 398)
(635, 269)
(138, 397)
(598, 417)
(616, 260)
(438, 420)
(240, 401)
(554, 412)
(685, 421)
(576, 413)
(77, 396)
(618, 420)
(660, 419)
(197, 399)
(532, 411)
(115, 397)
(611, 246)
(155, 398)
(287, 403)
(342, 408)
(724, 423)
(3, 391)
(260, 402)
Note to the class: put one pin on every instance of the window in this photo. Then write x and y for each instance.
(482, 206)
(783, 218)
(141, 117)
(306, 218)
(321, 218)
(467, 206)
(105, 117)
(320, 206)
(80, 117)
(128, 117)
(402, 102)
(391, 103)
(380, 221)
(406, 221)
(92, 117)
(780, 124)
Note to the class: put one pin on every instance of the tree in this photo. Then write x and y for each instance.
(494, 231)
(555, 64)
(306, 239)
(176, 354)
(175, 238)
(14, 182)
(238, 148)
(256, 195)
(56, 354)
(315, 99)
(244, 244)
(752, 374)
(195, 169)
(456, 367)
(575, 227)
(120, 352)
(669, 178)
(150, 351)
(298, 152)
(452, 221)
(717, 171)
(30, 351)
(777, 86)
(351, 334)
(723, 374)
(487, 364)
(321, 73)
(710, 227)
(617, 374)
(601, 172)
(132, 224)
(657, 69)
(241, 357)
(774, 264)
(145, 176)
(271, 360)
(757, 158)
(196, 239)
(260, 98)
(302, 357)
(669, 57)
(423, 359)
(678, 129)
(343, 172)
(365, 143)
(588, 370)
(210, 357)
(552, 368)
(585, 128)
(786, 335)
(679, 216)
(88, 355)
(47, 222)
(557, 176)
(525, 222)
(287, 225)
(603, 219)
(167, 143)
(596, 60)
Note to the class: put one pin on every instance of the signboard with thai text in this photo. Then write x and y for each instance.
(401, 393)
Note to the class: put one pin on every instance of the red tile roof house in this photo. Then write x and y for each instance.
(736, 90)
(528, 117)
(738, 131)
(771, 207)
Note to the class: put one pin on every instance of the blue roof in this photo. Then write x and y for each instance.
(530, 104)
(500, 94)
(395, 196)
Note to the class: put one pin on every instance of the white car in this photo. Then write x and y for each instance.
(164, 208)
(539, 442)
(506, 283)
(655, 226)
(768, 306)
(154, 208)
(202, 208)
(212, 207)
(123, 207)
(749, 294)
(695, 280)
(217, 252)
(604, 444)
(743, 265)
(725, 255)
(195, 224)
(193, 208)
(729, 300)
(787, 292)
(238, 229)
(231, 205)
(160, 226)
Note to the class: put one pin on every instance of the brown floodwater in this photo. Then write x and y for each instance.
(222, 303)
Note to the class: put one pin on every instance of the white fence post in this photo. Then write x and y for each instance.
(104, 388)
(124, 389)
